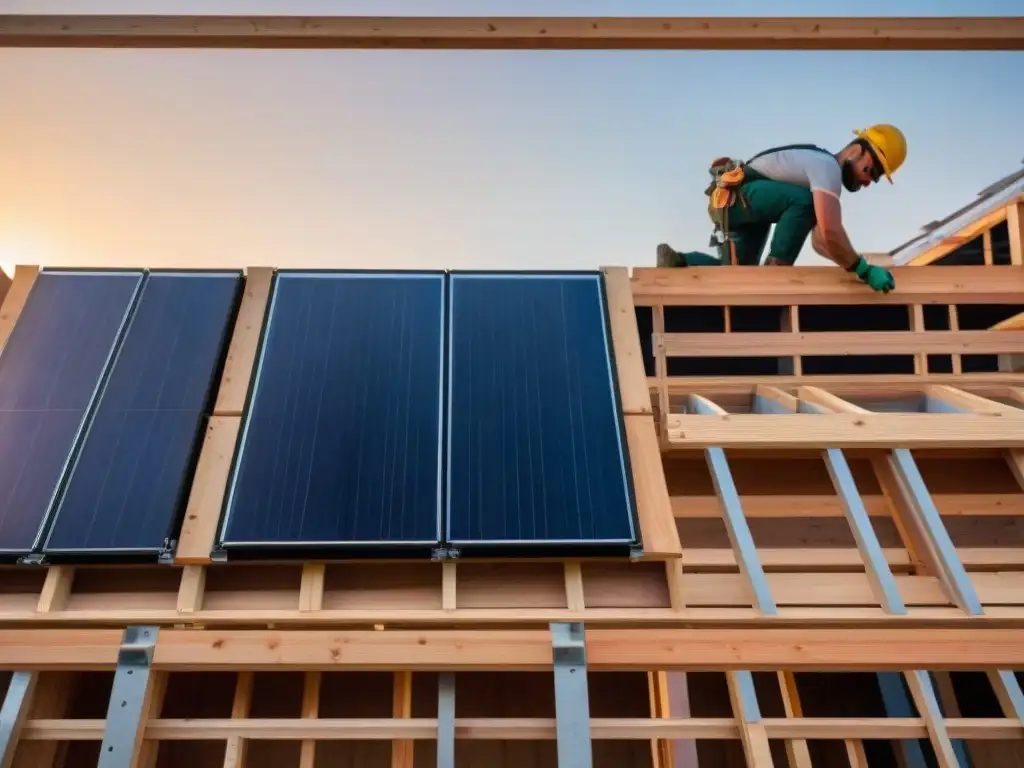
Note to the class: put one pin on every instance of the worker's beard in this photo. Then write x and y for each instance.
(850, 180)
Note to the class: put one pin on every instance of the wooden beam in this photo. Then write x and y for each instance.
(867, 385)
(1015, 224)
(625, 342)
(871, 343)
(238, 367)
(742, 648)
(715, 286)
(951, 242)
(17, 294)
(202, 514)
(1015, 323)
(519, 33)
(843, 430)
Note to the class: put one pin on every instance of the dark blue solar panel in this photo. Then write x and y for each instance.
(50, 370)
(129, 483)
(535, 443)
(341, 444)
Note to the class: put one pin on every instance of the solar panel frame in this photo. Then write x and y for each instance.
(72, 554)
(544, 547)
(8, 554)
(226, 549)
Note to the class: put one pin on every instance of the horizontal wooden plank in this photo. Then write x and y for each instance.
(809, 560)
(816, 505)
(844, 430)
(735, 286)
(525, 32)
(732, 589)
(518, 728)
(521, 650)
(871, 343)
(867, 385)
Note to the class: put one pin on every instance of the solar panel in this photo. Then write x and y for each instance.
(341, 443)
(50, 370)
(130, 480)
(536, 460)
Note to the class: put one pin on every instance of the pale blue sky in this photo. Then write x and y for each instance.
(562, 159)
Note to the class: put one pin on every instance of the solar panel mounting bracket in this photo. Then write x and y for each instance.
(219, 555)
(446, 553)
(34, 558)
(166, 557)
(572, 704)
(128, 696)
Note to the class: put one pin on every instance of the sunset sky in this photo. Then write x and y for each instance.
(535, 160)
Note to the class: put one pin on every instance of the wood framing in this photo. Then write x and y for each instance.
(1008, 213)
(492, 32)
(803, 532)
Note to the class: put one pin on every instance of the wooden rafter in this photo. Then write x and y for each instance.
(484, 32)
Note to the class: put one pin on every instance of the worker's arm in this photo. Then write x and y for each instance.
(829, 232)
(829, 238)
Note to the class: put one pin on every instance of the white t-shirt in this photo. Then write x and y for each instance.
(804, 167)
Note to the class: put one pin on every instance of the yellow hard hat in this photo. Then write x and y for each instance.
(889, 144)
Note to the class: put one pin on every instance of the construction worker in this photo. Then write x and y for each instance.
(796, 188)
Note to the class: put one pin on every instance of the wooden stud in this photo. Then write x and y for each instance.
(796, 749)
(202, 515)
(310, 709)
(574, 599)
(654, 510)
(625, 341)
(311, 588)
(56, 589)
(241, 357)
(193, 586)
(234, 754)
(449, 582)
(402, 751)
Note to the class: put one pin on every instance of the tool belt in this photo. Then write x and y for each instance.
(724, 191)
(726, 188)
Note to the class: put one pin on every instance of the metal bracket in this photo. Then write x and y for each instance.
(13, 713)
(572, 700)
(446, 720)
(128, 697)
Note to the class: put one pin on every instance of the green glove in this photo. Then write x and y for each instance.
(878, 278)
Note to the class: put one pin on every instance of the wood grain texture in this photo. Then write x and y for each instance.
(843, 430)
(238, 366)
(629, 359)
(736, 286)
(654, 509)
(202, 514)
(493, 32)
(871, 343)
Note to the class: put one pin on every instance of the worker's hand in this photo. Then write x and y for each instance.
(879, 278)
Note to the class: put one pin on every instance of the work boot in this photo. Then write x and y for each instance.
(668, 257)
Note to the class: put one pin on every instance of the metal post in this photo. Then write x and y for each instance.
(736, 522)
(126, 709)
(572, 701)
(13, 713)
(446, 720)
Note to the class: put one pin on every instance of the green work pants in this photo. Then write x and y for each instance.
(788, 206)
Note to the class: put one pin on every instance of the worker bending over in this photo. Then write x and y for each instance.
(796, 188)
